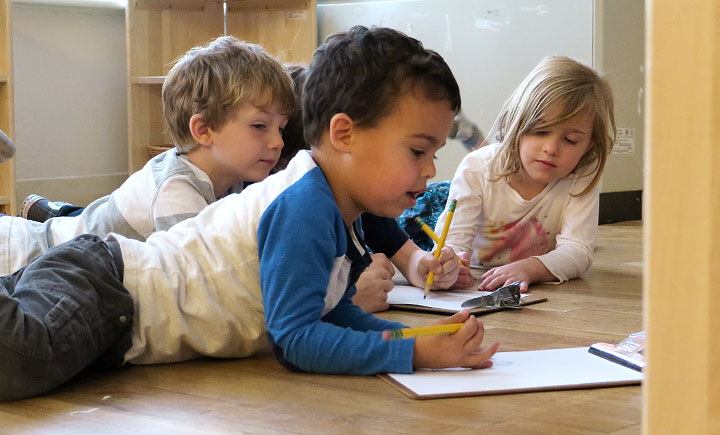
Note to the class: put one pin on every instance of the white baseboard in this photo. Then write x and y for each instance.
(75, 190)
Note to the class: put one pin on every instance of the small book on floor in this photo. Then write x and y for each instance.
(629, 352)
(448, 301)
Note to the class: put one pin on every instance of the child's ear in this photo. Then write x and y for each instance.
(341, 131)
(200, 130)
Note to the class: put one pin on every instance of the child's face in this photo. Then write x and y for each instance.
(395, 158)
(248, 145)
(551, 153)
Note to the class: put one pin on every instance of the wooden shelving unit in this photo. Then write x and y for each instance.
(158, 31)
(7, 169)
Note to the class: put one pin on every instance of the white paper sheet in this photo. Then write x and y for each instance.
(551, 369)
(443, 299)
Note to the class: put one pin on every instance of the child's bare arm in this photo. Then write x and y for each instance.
(459, 349)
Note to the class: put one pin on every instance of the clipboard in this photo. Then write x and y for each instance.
(630, 352)
(407, 297)
(518, 372)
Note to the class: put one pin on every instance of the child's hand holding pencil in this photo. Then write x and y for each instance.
(445, 268)
(440, 242)
(455, 341)
(430, 233)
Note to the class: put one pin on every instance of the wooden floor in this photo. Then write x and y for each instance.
(256, 395)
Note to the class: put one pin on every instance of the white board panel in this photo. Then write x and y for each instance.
(490, 45)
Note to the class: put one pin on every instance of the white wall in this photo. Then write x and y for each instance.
(490, 45)
(70, 85)
(70, 100)
(620, 56)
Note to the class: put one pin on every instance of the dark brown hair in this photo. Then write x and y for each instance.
(362, 72)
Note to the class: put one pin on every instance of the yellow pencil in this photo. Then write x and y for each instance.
(427, 230)
(399, 334)
(440, 245)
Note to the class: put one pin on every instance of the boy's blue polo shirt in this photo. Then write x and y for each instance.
(309, 262)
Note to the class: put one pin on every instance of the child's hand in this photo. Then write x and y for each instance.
(446, 268)
(459, 349)
(374, 284)
(465, 278)
(507, 274)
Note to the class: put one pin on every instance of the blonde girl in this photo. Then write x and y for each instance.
(528, 205)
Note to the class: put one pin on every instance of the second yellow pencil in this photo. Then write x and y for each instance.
(427, 230)
(399, 334)
(440, 245)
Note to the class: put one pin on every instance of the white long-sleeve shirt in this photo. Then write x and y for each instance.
(498, 226)
(167, 190)
(274, 262)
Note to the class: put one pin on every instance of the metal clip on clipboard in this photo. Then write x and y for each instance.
(506, 297)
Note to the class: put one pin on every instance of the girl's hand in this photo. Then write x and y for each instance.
(374, 284)
(526, 271)
(459, 349)
(446, 268)
(465, 278)
(507, 274)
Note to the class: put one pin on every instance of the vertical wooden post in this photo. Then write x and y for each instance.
(682, 218)
(7, 169)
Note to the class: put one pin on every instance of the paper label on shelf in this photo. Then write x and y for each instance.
(625, 141)
(296, 15)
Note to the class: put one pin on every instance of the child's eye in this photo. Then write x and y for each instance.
(417, 153)
(539, 132)
(282, 130)
(258, 126)
(570, 141)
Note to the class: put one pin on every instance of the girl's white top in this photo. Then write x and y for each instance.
(498, 226)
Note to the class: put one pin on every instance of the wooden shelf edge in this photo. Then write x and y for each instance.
(3, 78)
(171, 4)
(241, 5)
(4, 200)
(147, 80)
(231, 4)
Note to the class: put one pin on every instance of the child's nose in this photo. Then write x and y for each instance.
(276, 141)
(551, 145)
(428, 170)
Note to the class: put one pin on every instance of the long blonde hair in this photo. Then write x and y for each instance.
(556, 82)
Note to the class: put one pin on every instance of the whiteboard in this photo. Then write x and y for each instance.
(490, 45)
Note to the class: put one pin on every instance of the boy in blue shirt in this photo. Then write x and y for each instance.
(274, 265)
(376, 107)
